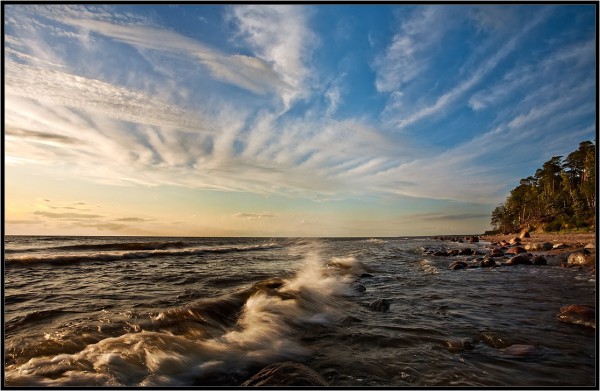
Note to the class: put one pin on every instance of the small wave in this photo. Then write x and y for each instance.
(376, 241)
(119, 246)
(34, 316)
(71, 259)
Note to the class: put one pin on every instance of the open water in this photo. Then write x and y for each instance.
(130, 311)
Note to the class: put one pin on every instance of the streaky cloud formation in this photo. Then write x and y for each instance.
(358, 107)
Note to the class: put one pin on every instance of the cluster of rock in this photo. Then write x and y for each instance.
(512, 252)
(459, 239)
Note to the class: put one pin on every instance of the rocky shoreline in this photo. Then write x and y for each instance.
(572, 240)
(538, 249)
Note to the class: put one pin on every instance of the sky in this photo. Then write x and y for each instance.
(286, 120)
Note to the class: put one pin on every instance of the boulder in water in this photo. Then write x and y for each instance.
(457, 265)
(583, 315)
(515, 240)
(516, 250)
(285, 374)
(539, 260)
(581, 258)
(539, 246)
(358, 287)
(380, 305)
(519, 350)
(465, 251)
(519, 260)
(494, 340)
(456, 345)
(487, 263)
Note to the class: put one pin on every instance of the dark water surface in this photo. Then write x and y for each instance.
(130, 311)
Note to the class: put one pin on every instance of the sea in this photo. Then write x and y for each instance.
(361, 312)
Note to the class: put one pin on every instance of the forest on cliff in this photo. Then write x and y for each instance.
(561, 195)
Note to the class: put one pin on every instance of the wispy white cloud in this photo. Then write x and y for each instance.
(278, 34)
(407, 56)
(254, 216)
(483, 69)
(575, 57)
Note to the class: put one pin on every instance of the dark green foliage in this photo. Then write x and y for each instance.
(561, 195)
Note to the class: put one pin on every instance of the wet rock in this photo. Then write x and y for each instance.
(487, 263)
(453, 252)
(358, 287)
(465, 251)
(456, 345)
(524, 234)
(494, 340)
(519, 260)
(496, 253)
(380, 305)
(539, 246)
(583, 315)
(515, 240)
(474, 239)
(559, 246)
(440, 254)
(366, 275)
(539, 260)
(519, 350)
(286, 374)
(580, 258)
(457, 265)
(516, 250)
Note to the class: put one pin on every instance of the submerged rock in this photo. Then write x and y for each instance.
(466, 251)
(487, 263)
(519, 260)
(495, 341)
(519, 350)
(358, 287)
(286, 374)
(516, 250)
(457, 265)
(583, 315)
(455, 345)
(380, 305)
(539, 260)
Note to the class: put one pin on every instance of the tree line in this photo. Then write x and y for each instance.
(561, 195)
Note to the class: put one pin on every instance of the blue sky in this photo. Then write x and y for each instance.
(286, 120)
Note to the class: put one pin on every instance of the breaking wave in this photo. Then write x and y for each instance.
(228, 336)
